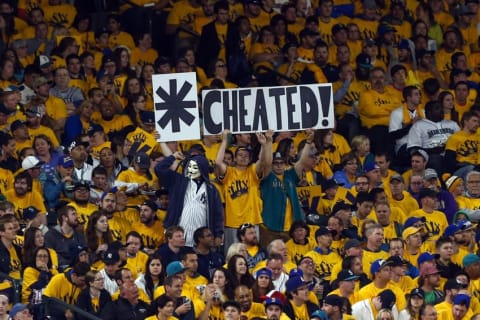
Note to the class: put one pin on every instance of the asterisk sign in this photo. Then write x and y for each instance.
(175, 106)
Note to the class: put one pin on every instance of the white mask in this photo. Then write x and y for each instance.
(193, 172)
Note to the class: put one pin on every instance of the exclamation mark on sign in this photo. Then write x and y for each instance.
(325, 97)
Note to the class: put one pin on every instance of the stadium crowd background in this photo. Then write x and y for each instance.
(375, 219)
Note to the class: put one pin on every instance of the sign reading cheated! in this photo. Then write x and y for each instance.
(288, 108)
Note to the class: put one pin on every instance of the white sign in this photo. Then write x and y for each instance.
(287, 108)
(175, 103)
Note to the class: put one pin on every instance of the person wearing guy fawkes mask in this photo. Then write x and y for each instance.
(193, 200)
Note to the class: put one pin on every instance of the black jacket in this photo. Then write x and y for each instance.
(84, 302)
(122, 309)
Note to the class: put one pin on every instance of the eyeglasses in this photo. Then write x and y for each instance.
(417, 183)
(220, 66)
(361, 183)
(474, 182)
(42, 255)
(245, 226)
(278, 163)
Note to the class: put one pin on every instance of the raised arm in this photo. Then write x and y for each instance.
(300, 164)
(220, 166)
(264, 162)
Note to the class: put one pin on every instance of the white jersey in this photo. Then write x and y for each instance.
(397, 123)
(427, 134)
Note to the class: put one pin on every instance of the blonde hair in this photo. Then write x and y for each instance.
(357, 141)
(381, 311)
(234, 249)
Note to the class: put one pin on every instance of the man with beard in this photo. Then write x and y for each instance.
(250, 309)
(247, 235)
(78, 152)
(81, 201)
(431, 135)
(428, 281)
(22, 195)
(445, 200)
(119, 227)
(111, 122)
(194, 201)
(62, 235)
(332, 306)
(426, 67)
(273, 308)
(149, 227)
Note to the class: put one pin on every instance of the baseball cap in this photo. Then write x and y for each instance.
(428, 269)
(430, 174)
(397, 177)
(231, 303)
(81, 184)
(388, 299)
(370, 166)
(424, 257)
(257, 2)
(30, 213)
(427, 192)
(18, 307)
(296, 272)
(17, 124)
(31, 162)
(77, 143)
(65, 161)
(111, 257)
(94, 128)
(462, 299)
(273, 300)
(452, 284)
(100, 31)
(384, 29)
(143, 160)
(33, 111)
(369, 42)
(412, 220)
(346, 275)
(175, 267)
(278, 156)
(147, 117)
(76, 248)
(417, 292)
(44, 61)
(363, 60)
(322, 231)
(463, 10)
(294, 283)
(422, 153)
(40, 81)
(470, 259)
(333, 300)
(378, 264)
(451, 230)
(151, 204)
(397, 261)
(320, 314)
(464, 225)
(263, 272)
(404, 44)
(410, 231)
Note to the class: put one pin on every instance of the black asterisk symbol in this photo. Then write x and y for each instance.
(175, 106)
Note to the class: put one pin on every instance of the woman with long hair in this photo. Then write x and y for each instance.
(94, 298)
(415, 302)
(263, 284)
(238, 273)
(36, 276)
(34, 239)
(46, 152)
(287, 149)
(98, 235)
(146, 75)
(361, 149)
(153, 277)
(447, 101)
(136, 103)
(132, 86)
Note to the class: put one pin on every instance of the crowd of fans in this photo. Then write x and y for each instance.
(373, 219)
